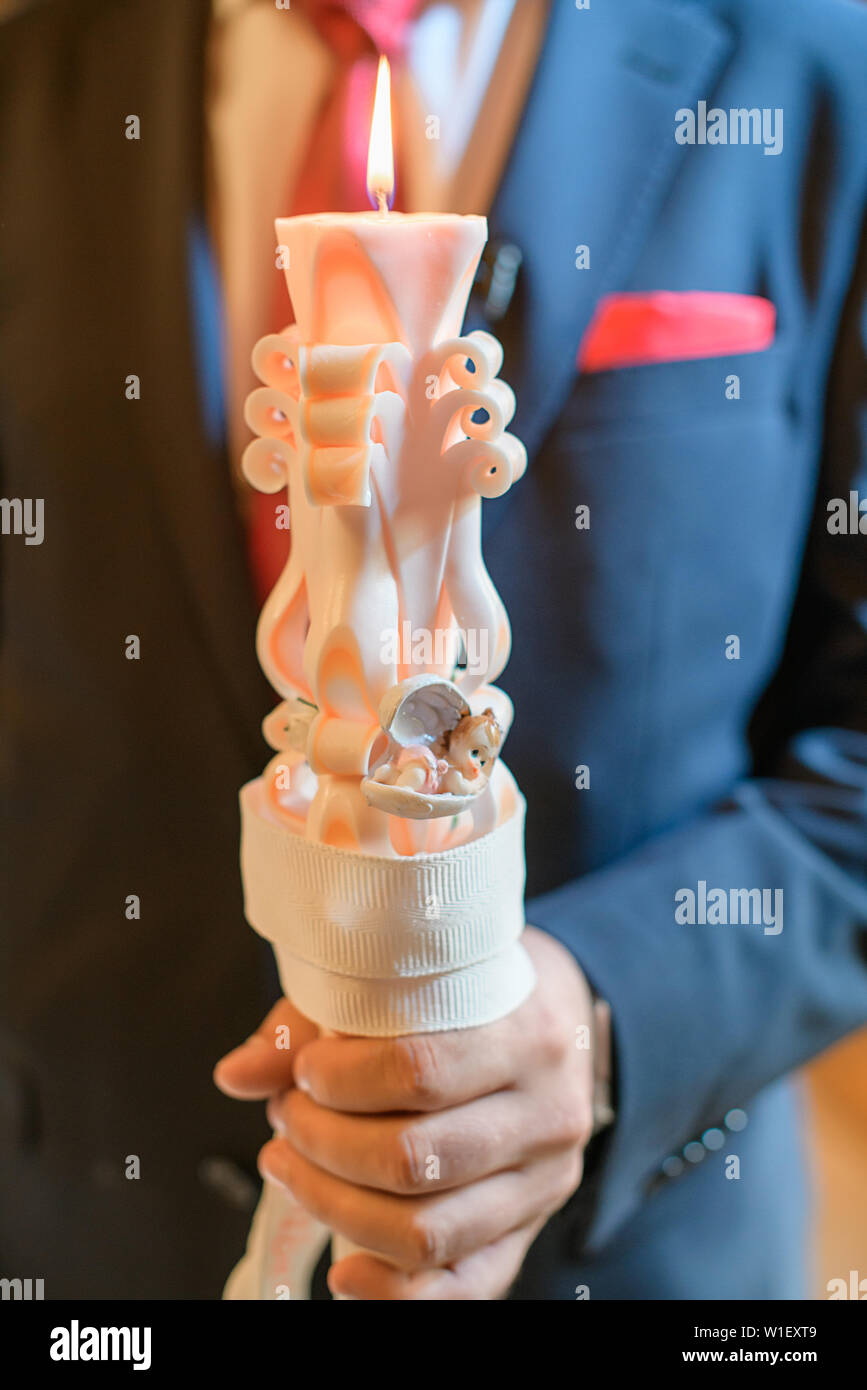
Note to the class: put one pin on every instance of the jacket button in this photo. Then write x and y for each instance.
(497, 277)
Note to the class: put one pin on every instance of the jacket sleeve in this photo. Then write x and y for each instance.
(704, 1017)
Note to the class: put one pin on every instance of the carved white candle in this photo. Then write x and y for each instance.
(393, 905)
(366, 414)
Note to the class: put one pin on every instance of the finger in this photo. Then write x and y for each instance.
(485, 1274)
(423, 1232)
(420, 1154)
(429, 1071)
(262, 1066)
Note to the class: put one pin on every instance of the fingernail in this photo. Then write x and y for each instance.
(270, 1168)
(302, 1081)
(274, 1112)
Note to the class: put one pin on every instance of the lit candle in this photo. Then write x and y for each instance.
(368, 413)
(380, 150)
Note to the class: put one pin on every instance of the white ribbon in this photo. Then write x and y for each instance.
(379, 948)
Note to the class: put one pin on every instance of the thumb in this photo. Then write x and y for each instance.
(262, 1066)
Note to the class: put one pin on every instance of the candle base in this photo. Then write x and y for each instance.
(376, 947)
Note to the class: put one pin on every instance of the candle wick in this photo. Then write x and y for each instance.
(382, 201)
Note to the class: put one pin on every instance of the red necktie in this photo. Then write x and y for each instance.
(332, 179)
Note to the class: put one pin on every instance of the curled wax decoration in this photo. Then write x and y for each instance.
(345, 665)
(516, 453)
(344, 747)
(274, 361)
(272, 414)
(471, 361)
(335, 421)
(283, 625)
(288, 725)
(341, 413)
(265, 464)
(454, 412)
(499, 395)
(466, 386)
(473, 597)
(335, 369)
(489, 469)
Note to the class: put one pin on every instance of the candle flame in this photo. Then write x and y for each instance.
(380, 156)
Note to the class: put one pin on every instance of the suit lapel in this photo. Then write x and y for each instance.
(94, 279)
(190, 473)
(593, 160)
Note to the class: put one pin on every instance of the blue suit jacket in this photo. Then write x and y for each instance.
(707, 521)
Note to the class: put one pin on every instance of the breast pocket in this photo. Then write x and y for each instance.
(672, 502)
(693, 469)
(664, 395)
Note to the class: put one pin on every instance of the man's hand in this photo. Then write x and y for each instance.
(443, 1153)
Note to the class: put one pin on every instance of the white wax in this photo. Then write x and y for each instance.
(373, 277)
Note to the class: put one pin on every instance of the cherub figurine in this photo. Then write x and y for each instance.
(416, 767)
(470, 750)
(459, 761)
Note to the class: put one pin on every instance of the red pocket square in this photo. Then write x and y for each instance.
(629, 330)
